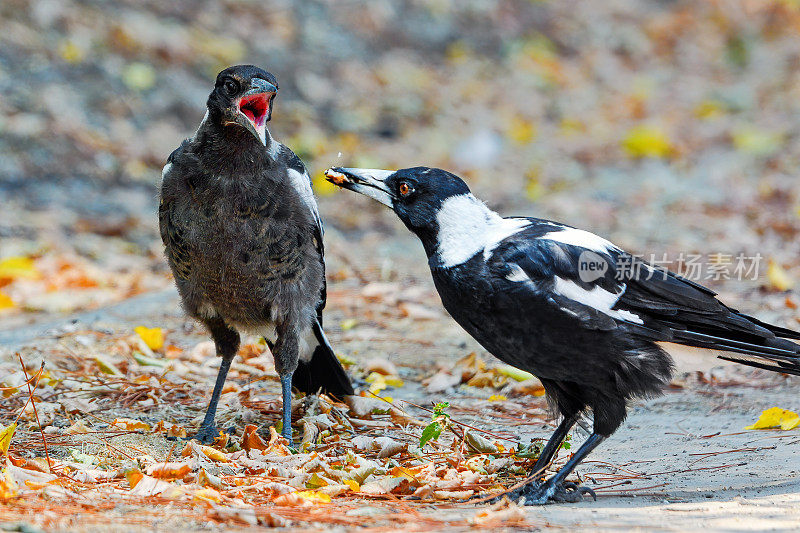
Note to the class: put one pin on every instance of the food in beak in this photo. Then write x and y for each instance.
(336, 177)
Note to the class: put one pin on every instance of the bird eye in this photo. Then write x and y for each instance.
(231, 86)
(405, 189)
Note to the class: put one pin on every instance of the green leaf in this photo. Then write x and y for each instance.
(431, 432)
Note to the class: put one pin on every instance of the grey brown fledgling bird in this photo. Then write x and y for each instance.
(244, 240)
(568, 306)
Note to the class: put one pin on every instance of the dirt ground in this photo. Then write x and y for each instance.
(681, 462)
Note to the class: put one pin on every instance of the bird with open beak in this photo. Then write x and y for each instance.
(243, 238)
(568, 306)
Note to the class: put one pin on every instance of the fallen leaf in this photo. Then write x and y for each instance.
(442, 381)
(169, 470)
(497, 398)
(776, 417)
(5, 437)
(251, 440)
(106, 366)
(479, 443)
(5, 301)
(130, 424)
(208, 494)
(353, 484)
(210, 480)
(304, 497)
(778, 278)
(514, 373)
(152, 337)
(18, 268)
(647, 141)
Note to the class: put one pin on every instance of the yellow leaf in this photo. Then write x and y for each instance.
(647, 141)
(777, 417)
(18, 268)
(353, 484)
(208, 494)
(315, 482)
(134, 476)
(497, 398)
(214, 454)
(514, 373)
(348, 324)
(393, 381)
(778, 278)
(321, 186)
(521, 131)
(71, 52)
(5, 301)
(314, 497)
(152, 337)
(756, 142)
(106, 366)
(8, 487)
(139, 76)
(5, 437)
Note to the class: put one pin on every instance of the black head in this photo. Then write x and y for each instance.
(242, 98)
(415, 194)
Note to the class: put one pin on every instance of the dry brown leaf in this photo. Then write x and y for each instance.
(251, 440)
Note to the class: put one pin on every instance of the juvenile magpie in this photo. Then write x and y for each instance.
(521, 288)
(244, 240)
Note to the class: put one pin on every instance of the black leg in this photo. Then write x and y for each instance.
(554, 489)
(286, 393)
(227, 344)
(552, 446)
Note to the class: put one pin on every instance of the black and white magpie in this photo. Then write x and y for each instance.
(521, 288)
(244, 240)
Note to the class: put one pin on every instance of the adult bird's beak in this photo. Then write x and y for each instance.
(367, 181)
(254, 108)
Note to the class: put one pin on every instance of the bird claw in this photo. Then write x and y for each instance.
(207, 435)
(542, 493)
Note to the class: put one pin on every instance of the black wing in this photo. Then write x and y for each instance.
(295, 163)
(171, 229)
(624, 291)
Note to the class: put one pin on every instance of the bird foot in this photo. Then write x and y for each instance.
(544, 492)
(207, 435)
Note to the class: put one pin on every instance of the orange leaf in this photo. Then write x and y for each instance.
(171, 471)
(251, 440)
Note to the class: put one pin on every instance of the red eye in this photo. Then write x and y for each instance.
(404, 189)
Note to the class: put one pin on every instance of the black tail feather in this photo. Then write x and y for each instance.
(323, 371)
(775, 353)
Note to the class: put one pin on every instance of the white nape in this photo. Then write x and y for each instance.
(579, 237)
(467, 227)
(274, 147)
(598, 298)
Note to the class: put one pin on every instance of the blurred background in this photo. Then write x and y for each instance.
(666, 125)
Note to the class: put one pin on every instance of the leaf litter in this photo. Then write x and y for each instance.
(107, 429)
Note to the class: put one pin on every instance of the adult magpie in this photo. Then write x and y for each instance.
(524, 289)
(244, 240)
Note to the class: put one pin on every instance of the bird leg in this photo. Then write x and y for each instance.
(226, 341)
(552, 446)
(286, 356)
(548, 452)
(554, 488)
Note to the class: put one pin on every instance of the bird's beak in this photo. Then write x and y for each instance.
(254, 108)
(367, 181)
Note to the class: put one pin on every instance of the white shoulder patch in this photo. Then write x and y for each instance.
(467, 227)
(302, 184)
(597, 298)
(579, 237)
(165, 170)
(517, 274)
